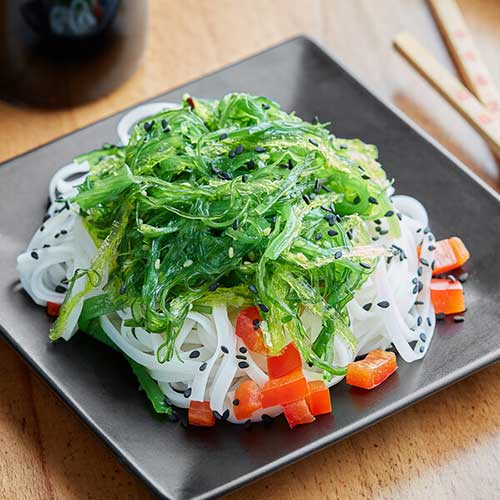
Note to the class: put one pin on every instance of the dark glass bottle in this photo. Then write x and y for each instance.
(64, 52)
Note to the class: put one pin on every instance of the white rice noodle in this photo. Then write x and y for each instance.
(205, 367)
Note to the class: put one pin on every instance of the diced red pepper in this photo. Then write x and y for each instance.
(200, 414)
(449, 254)
(447, 296)
(53, 309)
(284, 390)
(248, 330)
(318, 398)
(248, 397)
(287, 361)
(297, 413)
(370, 372)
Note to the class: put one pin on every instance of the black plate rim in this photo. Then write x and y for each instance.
(321, 443)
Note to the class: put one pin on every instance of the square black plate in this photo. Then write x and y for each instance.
(197, 463)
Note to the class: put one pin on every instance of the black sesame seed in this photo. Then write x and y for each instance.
(232, 153)
(367, 306)
(235, 224)
(243, 349)
(383, 232)
(373, 200)
(424, 262)
(419, 303)
(35, 255)
(123, 289)
(318, 236)
(241, 356)
(250, 164)
(419, 320)
(46, 245)
(338, 254)
(332, 232)
(239, 149)
(356, 200)
(213, 286)
(253, 288)
(203, 366)
(263, 308)
(378, 229)
(364, 265)
(256, 324)
(148, 126)
(419, 271)
(243, 365)
(399, 216)
(314, 143)
(440, 316)
(414, 281)
(223, 136)
(422, 348)
(389, 213)
(420, 286)
(414, 290)
(61, 289)
(260, 149)
(463, 277)
(187, 392)
(431, 248)
(290, 164)
(419, 230)
(42, 228)
(236, 402)
(164, 123)
(423, 337)
(429, 321)
(306, 198)
(317, 186)
(266, 106)
(133, 332)
(375, 238)
(244, 178)
(458, 319)
(194, 354)
(365, 177)
(224, 349)
(433, 265)
(384, 304)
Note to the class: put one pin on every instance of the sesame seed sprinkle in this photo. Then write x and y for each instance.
(241, 356)
(367, 306)
(203, 366)
(373, 200)
(314, 143)
(423, 337)
(338, 254)
(243, 365)
(224, 349)
(213, 286)
(243, 349)
(263, 308)
(34, 255)
(332, 232)
(223, 136)
(194, 354)
(384, 304)
(187, 392)
(239, 149)
(260, 149)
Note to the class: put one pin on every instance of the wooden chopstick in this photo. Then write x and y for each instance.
(465, 55)
(483, 120)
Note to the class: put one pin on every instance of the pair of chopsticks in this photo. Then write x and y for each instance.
(477, 100)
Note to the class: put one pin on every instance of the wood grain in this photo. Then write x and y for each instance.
(447, 446)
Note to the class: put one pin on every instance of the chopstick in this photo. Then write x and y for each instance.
(482, 119)
(465, 55)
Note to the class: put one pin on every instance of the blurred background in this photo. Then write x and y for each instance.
(109, 55)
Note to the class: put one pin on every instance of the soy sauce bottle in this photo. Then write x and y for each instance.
(57, 53)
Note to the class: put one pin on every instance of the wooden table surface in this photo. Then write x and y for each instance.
(447, 446)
